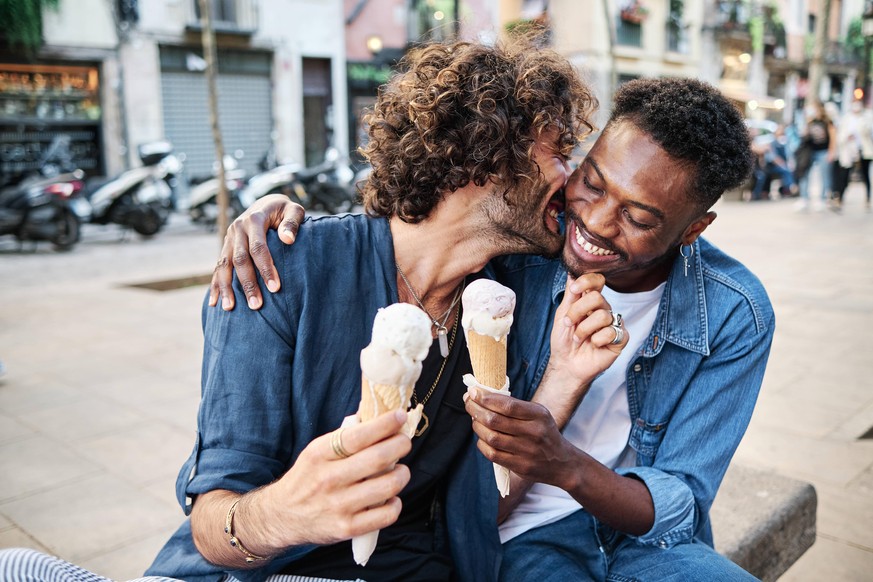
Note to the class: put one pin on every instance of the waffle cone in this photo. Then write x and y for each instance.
(489, 359)
(379, 398)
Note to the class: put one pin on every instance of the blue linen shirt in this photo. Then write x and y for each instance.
(275, 379)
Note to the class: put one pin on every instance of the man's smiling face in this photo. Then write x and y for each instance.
(628, 210)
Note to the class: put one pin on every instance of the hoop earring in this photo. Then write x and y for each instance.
(686, 258)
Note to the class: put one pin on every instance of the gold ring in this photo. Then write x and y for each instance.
(336, 443)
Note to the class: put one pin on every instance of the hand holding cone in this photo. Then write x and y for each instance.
(391, 365)
(488, 308)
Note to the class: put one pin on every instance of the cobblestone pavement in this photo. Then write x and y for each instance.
(98, 401)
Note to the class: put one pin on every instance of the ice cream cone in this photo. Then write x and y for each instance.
(390, 366)
(488, 308)
(488, 356)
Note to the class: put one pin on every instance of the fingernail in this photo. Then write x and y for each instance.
(254, 303)
(213, 300)
(473, 392)
(272, 285)
(400, 415)
(465, 397)
(225, 303)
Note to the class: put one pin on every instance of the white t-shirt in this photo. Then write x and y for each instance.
(601, 425)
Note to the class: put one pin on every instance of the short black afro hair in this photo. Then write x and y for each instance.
(694, 123)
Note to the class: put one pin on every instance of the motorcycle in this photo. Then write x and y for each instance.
(48, 208)
(140, 198)
(203, 200)
(329, 186)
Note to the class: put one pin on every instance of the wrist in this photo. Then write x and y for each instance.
(231, 534)
(573, 472)
(253, 526)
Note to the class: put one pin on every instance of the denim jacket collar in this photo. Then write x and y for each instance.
(682, 313)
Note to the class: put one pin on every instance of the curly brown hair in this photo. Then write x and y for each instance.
(465, 112)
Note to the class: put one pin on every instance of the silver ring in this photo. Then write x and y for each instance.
(616, 319)
(619, 335)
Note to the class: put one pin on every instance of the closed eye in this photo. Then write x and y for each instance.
(590, 186)
(638, 225)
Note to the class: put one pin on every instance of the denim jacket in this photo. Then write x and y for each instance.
(691, 388)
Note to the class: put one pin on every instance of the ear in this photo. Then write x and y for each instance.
(696, 228)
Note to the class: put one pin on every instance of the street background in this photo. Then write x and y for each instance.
(98, 403)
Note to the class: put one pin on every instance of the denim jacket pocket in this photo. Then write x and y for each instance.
(645, 438)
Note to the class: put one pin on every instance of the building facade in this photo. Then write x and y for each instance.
(118, 73)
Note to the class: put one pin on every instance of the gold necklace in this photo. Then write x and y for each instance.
(440, 328)
(420, 431)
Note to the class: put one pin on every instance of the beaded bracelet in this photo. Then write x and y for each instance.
(228, 529)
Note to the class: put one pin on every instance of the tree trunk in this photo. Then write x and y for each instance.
(209, 53)
(816, 64)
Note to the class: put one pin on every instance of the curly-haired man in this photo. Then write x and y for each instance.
(469, 149)
(614, 480)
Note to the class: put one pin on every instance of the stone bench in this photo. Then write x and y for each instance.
(762, 521)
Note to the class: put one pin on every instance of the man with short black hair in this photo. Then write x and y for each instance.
(621, 478)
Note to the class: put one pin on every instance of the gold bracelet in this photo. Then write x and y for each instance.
(228, 529)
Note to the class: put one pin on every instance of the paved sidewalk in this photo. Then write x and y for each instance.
(98, 403)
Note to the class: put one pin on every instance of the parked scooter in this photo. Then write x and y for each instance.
(275, 178)
(140, 198)
(203, 200)
(45, 208)
(329, 186)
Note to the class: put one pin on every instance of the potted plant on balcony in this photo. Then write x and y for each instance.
(634, 12)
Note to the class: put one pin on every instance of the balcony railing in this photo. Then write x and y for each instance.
(228, 16)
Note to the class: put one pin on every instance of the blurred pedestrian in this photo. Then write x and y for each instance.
(854, 148)
(773, 162)
(820, 139)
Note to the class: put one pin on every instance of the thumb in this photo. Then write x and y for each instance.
(292, 215)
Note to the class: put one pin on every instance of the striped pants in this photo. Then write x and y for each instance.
(26, 565)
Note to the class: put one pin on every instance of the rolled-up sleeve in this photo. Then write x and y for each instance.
(244, 433)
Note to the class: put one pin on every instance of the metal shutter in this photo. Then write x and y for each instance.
(245, 117)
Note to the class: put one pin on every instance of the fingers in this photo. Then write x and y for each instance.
(500, 411)
(222, 276)
(256, 226)
(598, 320)
(585, 306)
(607, 335)
(587, 282)
(374, 518)
(245, 271)
(361, 436)
(373, 447)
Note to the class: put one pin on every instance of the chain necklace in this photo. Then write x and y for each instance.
(440, 328)
(419, 430)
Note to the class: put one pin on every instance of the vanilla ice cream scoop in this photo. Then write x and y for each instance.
(382, 365)
(405, 329)
(488, 308)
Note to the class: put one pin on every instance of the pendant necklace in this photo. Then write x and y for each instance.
(424, 423)
(440, 328)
